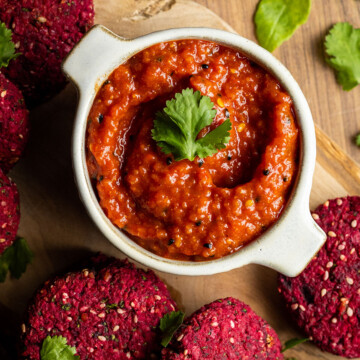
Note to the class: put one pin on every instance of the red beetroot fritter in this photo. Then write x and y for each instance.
(44, 32)
(224, 329)
(324, 299)
(9, 212)
(14, 124)
(109, 311)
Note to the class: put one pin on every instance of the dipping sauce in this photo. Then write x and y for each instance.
(206, 208)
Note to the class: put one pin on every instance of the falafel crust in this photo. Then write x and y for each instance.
(9, 212)
(224, 329)
(44, 32)
(324, 300)
(108, 311)
(14, 124)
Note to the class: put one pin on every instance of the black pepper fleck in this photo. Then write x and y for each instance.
(229, 157)
(208, 245)
(171, 241)
(168, 160)
(200, 163)
(205, 66)
(100, 118)
(285, 179)
(198, 223)
(227, 113)
(266, 172)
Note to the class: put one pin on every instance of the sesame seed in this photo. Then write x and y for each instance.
(2, 241)
(186, 352)
(101, 315)
(352, 251)
(41, 19)
(135, 319)
(339, 202)
(353, 223)
(65, 295)
(102, 306)
(120, 311)
(294, 306)
(232, 324)
(93, 311)
(23, 328)
(302, 307)
(344, 300)
(214, 324)
(86, 273)
(315, 216)
(350, 311)
(326, 203)
(157, 297)
(180, 337)
(102, 338)
(69, 318)
(329, 264)
(326, 275)
(342, 257)
(132, 304)
(331, 234)
(341, 247)
(128, 355)
(116, 328)
(3, 93)
(323, 292)
(350, 281)
(232, 340)
(334, 320)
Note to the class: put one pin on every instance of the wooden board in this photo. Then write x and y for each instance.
(60, 232)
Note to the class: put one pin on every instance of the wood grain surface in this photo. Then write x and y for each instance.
(60, 232)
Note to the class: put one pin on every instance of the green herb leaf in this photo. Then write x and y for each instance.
(7, 47)
(357, 140)
(15, 259)
(176, 127)
(293, 342)
(169, 324)
(56, 348)
(277, 20)
(342, 45)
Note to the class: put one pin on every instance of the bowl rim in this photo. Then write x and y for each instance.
(298, 203)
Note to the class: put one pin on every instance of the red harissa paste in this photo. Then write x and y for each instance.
(206, 208)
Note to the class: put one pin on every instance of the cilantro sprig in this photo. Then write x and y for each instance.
(169, 324)
(177, 127)
(277, 20)
(15, 259)
(293, 342)
(56, 348)
(342, 45)
(7, 47)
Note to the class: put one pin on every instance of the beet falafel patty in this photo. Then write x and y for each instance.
(108, 311)
(9, 212)
(224, 329)
(14, 124)
(44, 32)
(324, 299)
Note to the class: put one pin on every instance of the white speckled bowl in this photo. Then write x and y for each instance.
(288, 245)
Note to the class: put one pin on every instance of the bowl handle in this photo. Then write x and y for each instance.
(295, 246)
(90, 60)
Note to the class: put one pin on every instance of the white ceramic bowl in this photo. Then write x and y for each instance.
(288, 245)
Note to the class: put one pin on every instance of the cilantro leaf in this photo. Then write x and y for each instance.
(169, 324)
(7, 47)
(293, 342)
(15, 259)
(342, 45)
(176, 127)
(56, 348)
(277, 20)
(357, 140)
